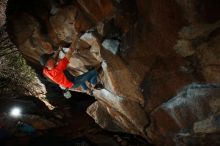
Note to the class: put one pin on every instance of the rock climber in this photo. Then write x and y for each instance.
(55, 70)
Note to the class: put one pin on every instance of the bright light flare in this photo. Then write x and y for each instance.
(15, 112)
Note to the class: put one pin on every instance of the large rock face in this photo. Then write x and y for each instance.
(163, 81)
(193, 112)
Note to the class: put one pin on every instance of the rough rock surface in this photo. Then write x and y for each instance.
(163, 83)
(182, 118)
(98, 10)
(3, 4)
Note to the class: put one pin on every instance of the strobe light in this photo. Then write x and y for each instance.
(15, 112)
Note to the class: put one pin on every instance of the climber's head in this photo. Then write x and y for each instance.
(47, 60)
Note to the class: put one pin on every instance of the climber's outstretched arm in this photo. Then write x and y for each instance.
(72, 47)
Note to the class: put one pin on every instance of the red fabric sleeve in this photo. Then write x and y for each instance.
(62, 64)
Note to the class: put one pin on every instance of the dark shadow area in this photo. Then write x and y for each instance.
(210, 10)
(48, 139)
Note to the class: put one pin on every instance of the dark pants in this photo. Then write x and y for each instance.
(90, 76)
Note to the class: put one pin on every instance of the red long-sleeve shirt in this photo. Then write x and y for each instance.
(57, 73)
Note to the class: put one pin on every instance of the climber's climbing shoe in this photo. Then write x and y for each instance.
(98, 86)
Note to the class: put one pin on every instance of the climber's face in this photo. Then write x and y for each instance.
(51, 63)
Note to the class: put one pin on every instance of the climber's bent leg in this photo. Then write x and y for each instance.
(90, 76)
(93, 77)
